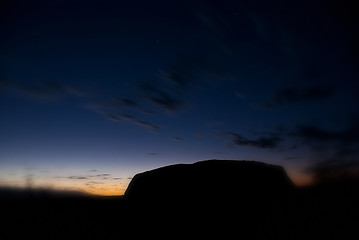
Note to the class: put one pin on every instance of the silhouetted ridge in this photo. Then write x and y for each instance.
(211, 180)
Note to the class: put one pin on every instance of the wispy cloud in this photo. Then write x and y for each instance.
(44, 90)
(127, 117)
(261, 142)
(288, 96)
(113, 117)
(90, 176)
(153, 128)
(103, 175)
(93, 183)
(158, 96)
(165, 101)
(177, 138)
(312, 134)
(78, 177)
(161, 97)
(131, 119)
(332, 149)
(126, 102)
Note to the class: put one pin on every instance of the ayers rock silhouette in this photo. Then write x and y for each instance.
(212, 180)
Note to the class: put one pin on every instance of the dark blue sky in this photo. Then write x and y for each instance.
(92, 92)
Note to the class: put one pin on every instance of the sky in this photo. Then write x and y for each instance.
(93, 92)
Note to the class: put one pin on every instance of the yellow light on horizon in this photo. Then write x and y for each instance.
(107, 192)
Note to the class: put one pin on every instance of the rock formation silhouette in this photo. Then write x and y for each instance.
(218, 195)
(210, 180)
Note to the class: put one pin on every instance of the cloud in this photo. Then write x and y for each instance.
(112, 117)
(47, 90)
(43, 90)
(262, 142)
(288, 96)
(334, 149)
(315, 134)
(131, 119)
(109, 109)
(177, 138)
(165, 101)
(117, 106)
(153, 128)
(93, 183)
(162, 98)
(159, 95)
(126, 102)
(103, 175)
(156, 97)
(181, 72)
(127, 117)
(77, 177)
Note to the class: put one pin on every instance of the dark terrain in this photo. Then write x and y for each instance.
(226, 199)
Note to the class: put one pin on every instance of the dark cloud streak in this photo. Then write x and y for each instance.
(262, 142)
(113, 117)
(78, 177)
(288, 96)
(335, 149)
(131, 119)
(45, 90)
(160, 97)
(165, 101)
(315, 134)
(177, 138)
(153, 128)
(126, 102)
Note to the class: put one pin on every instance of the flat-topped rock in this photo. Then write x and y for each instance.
(211, 180)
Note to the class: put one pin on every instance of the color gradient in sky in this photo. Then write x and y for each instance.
(93, 92)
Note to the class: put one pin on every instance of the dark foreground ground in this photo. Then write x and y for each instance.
(322, 212)
(217, 199)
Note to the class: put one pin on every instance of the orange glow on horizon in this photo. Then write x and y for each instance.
(107, 192)
(118, 187)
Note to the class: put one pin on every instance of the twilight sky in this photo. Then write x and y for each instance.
(93, 92)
